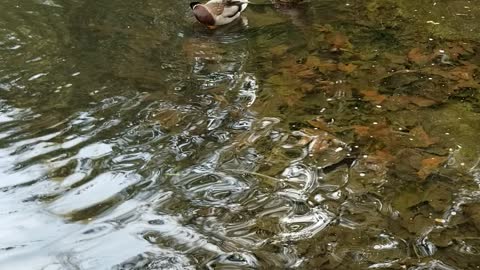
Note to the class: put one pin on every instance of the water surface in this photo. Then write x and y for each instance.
(324, 135)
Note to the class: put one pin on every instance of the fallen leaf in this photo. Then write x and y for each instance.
(420, 137)
(438, 195)
(319, 145)
(429, 165)
(460, 74)
(407, 164)
(373, 96)
(416, 56)
(304, 140)
(315, 62)
(318, 123)
(362, 131)
(421, 101)
(420, 224)
(455, 50)
(307, 87)
(399, 102)
(168, 118)
(378, 161)
(348, 68)
(379, 131)
(306, 74)
(338, 41)
(382, 155)
(318, 140)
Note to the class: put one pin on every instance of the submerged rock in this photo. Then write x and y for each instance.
(434, 87)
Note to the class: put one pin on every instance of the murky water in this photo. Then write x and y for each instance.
(325, 135)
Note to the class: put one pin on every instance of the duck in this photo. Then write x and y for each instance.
(218, 12)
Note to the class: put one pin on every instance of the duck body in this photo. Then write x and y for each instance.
(218, 12)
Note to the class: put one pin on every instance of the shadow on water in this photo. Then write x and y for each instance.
(324, 135)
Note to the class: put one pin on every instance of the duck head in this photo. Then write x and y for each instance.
(202, 13)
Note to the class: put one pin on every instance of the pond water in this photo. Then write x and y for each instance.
(323, 135)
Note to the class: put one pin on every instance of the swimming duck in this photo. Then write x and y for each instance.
(218, 12)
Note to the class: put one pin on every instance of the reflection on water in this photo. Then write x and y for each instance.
(328, 135)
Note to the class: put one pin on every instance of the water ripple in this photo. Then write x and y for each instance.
(132, 137)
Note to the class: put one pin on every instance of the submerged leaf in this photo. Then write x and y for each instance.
(373, 96)
(438, 196)
(429, 165)
(318, 123)
(420, 137)
(338, 41)
(315, 62)
(421, 101)
(417, 56)
(348, 68)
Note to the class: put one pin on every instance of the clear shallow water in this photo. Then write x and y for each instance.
(331, 135)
